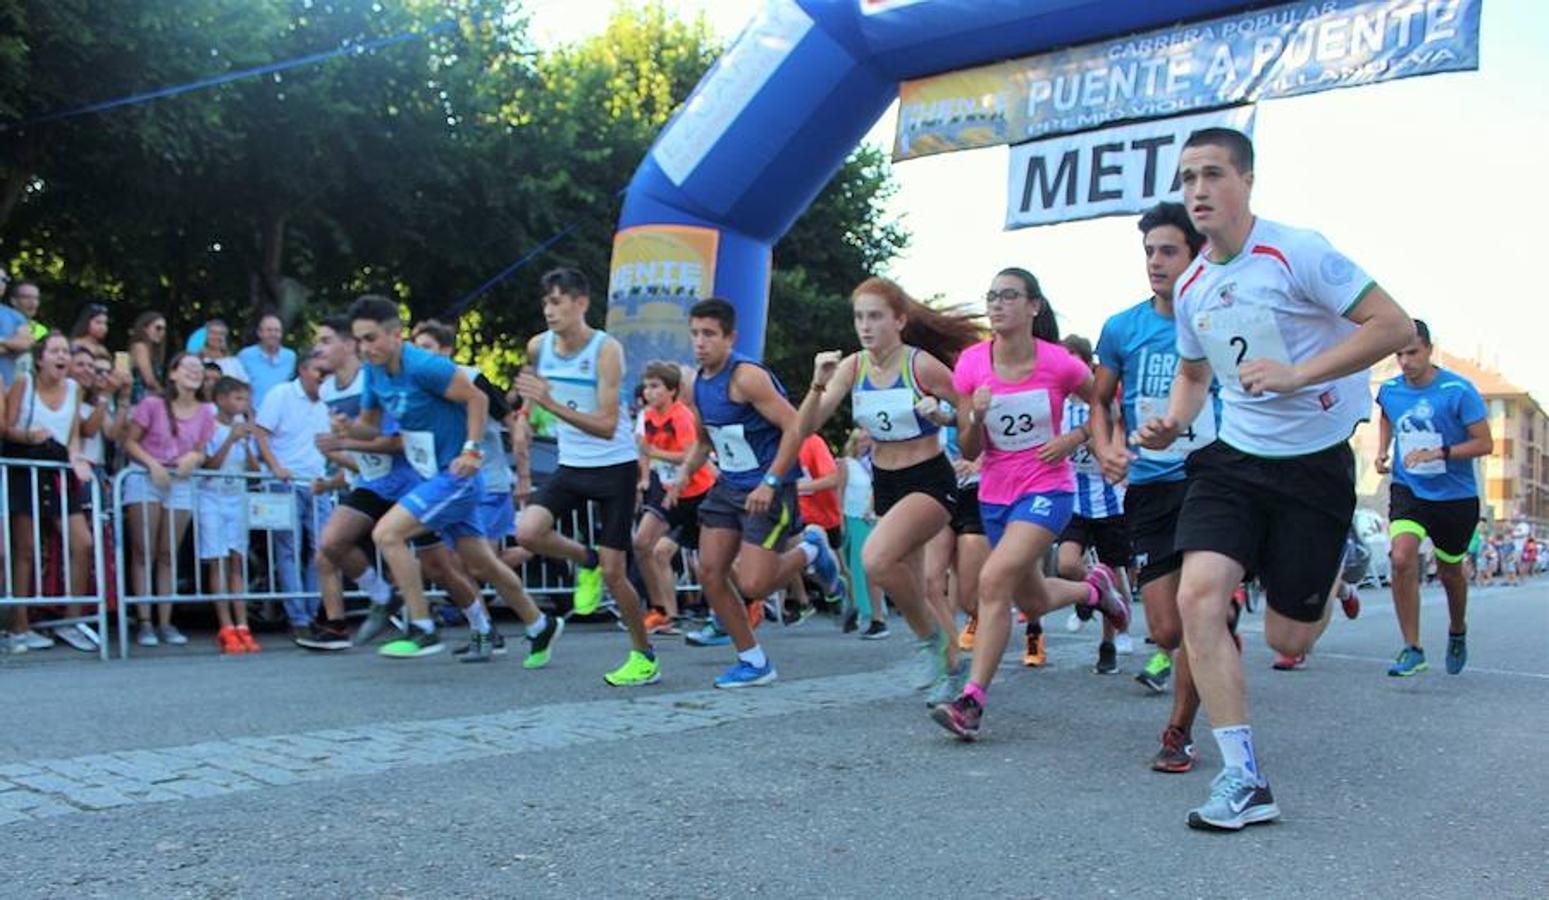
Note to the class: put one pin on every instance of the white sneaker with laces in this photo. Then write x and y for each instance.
(76, 636)
(147, 636)
(172, 636)
(35, 641)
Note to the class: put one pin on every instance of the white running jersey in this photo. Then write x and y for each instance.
(1095, 497)
(1284, 298)
(573, 382)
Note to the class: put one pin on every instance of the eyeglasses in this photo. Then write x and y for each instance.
(1004, 295)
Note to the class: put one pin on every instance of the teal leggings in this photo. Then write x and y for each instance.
(856, 531)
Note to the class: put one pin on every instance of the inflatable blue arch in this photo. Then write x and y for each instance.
(775, 118)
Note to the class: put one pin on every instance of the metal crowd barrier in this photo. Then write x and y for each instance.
(38, 476)
(272, 519)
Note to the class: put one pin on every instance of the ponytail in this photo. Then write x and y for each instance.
(1045, 328)
(942, 333)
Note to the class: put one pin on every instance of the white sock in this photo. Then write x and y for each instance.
(375, 586)
(424, 624)
(754, 657)
(810, 551)
(478, 617)
(1236, 743)
(537, 625)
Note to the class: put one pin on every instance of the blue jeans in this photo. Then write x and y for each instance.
(294, 574)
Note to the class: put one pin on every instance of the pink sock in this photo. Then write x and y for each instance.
(973, 690)
(1094, 596)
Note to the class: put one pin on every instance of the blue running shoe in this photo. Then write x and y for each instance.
(1457, 652)
(709, 636)
(826, 565)
(744, 674)
(1410, 662)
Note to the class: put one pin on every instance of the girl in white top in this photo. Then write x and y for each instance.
(43, 424)
(859, 519)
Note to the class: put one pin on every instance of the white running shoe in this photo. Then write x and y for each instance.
(1124, 644)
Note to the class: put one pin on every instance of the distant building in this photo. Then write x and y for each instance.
(1514, 478)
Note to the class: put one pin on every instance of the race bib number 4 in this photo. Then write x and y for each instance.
(887, 415)
(419, 448)
(1197, 435)
(733, 453)
(1020, 421)
(1233, 335)
(1410, 441)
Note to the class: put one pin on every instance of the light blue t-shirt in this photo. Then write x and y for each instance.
(1141, 345)
(10, 322)
(416, 397)
(1430, 417)
(264, 372)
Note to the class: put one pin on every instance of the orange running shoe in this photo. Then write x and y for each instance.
(249, 644)
(1033, 657)
(965, 641)
(228, 641)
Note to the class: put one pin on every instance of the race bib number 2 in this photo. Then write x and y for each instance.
(1233, 335)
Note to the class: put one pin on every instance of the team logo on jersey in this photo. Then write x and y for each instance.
(1421, 417)
(1336, 269)
(1226, 293)
(586, 367)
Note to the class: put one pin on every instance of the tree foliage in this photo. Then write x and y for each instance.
(420, 168)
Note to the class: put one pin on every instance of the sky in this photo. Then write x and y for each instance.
(1428, 183)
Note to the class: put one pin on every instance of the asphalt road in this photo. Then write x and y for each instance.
(182, 774)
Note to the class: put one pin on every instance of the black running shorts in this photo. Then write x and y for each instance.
(1448, 523)
(1283, 518)
(610, 488)
(934, 478)
(1110, 536)
(1152, 510)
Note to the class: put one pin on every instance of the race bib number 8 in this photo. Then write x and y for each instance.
(733, 453)
(1197, 435)
(1235, 334)
(1410, 441)
(419, 448)
(1020, 421)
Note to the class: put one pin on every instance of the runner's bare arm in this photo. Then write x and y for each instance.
(831, 383)
(610, 372)
(1191, 388)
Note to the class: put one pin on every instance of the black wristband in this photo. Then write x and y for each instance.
(1446, 452)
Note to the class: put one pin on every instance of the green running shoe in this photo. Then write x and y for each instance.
(637, 670)
(418, 643)
(543, 644)
(588, 590)
(1158, 670)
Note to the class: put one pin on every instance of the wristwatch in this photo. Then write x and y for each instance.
(770, 481)
(472, 448)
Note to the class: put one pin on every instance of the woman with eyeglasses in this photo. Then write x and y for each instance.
(1014, 387)
(147, 355)
(91, 330)
(898, 384)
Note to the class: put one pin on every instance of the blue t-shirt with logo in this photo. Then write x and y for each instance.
(416, 397)
(1430, 417)
(1141, 345)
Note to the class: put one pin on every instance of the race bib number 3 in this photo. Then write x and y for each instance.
(887, 415)
(419, 448)
(733, 453)
(1020, 421)
(1197, 435)
(1235, 334)
(1410, 441)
